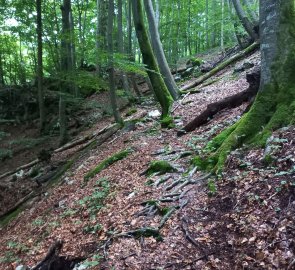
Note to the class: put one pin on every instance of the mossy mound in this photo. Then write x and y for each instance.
(167, 122)
(159, 167)
(106, 163)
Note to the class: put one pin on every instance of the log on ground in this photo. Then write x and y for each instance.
(234, 101)
(221, 66)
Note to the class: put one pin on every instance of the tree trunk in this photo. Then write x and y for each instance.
(159, 52)
(66, 66)
(249, 27)
(161, 92)
(113, 99)
(274, 105)
(124, 77)
(40, 66)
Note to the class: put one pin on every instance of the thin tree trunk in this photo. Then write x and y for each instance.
(159, 52)
(40, 66)
(249, 27)
(113, 99)
(120, 44)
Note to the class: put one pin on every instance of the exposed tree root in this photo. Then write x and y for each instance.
(228, 102)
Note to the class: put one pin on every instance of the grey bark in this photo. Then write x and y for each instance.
(113, 99)
(120, 44)
(159, 52)
(269, 29)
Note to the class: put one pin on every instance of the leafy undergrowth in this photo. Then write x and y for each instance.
(242, 220)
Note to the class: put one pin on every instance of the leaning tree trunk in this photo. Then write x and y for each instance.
(274, 105)
(161, 92)
(249, 27)
(159, 52)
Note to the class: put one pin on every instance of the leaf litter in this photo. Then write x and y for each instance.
(247, 222)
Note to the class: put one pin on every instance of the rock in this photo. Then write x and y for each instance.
(80, 267)
(242, 67)
(188, 72)
(154, 114)
(21, 267)
(177, 78)
(206, 67)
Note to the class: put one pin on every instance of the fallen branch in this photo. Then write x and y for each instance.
(23, 167)
(104, 134)
(84, 139)
(18, 204)
(221, 66)
(228, 102)
(166, 217)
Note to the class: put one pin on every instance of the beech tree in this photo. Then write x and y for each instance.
(160, 90)
(274, 105)
(158, 50)
(113, 99)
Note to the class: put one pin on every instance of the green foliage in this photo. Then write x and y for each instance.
(94, 202)
(93, 261)
(106, 163)
(92, 229)
(5, 154)
(38, 222)
(212, 189)
(160, 167)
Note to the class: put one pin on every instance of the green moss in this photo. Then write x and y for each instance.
(196, 61)
(106, 163)
(148, 232)
(268, 160)
(131, 112)
(167, 122)
(159, 166)
(11, 216)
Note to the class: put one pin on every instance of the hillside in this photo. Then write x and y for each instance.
(129, 217)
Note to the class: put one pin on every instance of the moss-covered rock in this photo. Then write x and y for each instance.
(160, 167)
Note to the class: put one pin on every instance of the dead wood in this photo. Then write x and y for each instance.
(54, 250)
(84, 139)
(221, 66)
(105, 133)
(53, 261)
(18, 204)
(228, 102)
(23, 167)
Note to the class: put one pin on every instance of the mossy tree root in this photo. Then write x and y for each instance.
(273, 108)
(106, 163)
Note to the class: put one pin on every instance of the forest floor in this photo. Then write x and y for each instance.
(242, 220)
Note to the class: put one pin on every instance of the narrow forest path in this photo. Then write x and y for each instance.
(200, 227)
